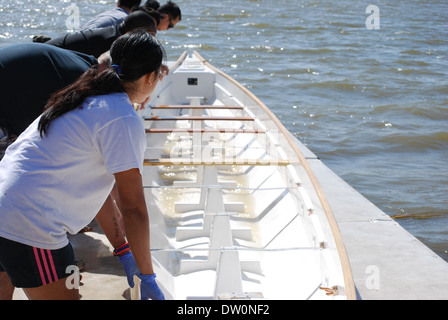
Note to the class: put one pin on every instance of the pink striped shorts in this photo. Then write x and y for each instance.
(30, 267)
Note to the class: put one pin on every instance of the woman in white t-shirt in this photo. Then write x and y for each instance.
(58, 174)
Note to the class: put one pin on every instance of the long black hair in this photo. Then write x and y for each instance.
(133, 55)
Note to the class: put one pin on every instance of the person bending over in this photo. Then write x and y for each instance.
(114, 16)
(59, 173)
(97, 41)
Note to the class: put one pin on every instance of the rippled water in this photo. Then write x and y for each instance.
(371, 103)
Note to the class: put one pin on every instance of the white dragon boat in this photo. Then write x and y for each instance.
(236, 211)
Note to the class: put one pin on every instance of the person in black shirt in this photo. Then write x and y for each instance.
(29, 74)
(97, 41)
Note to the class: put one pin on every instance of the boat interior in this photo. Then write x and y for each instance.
(230, 208)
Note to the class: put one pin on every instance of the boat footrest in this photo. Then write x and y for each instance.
(187, 233)
(228, 206)
(206, 230)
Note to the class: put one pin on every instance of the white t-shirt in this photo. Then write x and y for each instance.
(56, 184)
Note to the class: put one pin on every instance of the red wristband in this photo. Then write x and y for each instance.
(122, 249)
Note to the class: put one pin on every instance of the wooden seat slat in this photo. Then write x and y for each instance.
(214, 162)
(186, 106)
(199, 118)
(204, 130)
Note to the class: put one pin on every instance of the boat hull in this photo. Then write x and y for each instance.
(235, 210)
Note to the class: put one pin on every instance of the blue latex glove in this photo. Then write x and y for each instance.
(130, 267)
(149, 288)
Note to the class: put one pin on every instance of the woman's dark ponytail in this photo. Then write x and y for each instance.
(133, 55)
(91, 83)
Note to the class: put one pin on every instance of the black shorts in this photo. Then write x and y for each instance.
(30, 267)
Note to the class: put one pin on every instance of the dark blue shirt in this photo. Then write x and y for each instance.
(29, 74)
(92, 41)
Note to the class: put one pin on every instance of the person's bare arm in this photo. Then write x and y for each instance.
(135, 217)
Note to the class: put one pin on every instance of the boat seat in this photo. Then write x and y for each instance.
(197, 107)
(203, 130)
(215, 162)
(199, 118)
